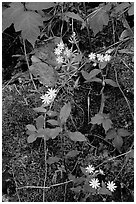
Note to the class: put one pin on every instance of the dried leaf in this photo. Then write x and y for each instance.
(44, 72)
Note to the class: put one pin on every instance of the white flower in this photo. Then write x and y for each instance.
(109, 51)
(46, 99)
(51, 93)
(67, 52)
(100, 57)
(92, 56)
(94, 183)
(57, 51)
(59, 59)
(90, 169)
(107, 57)
(111, 186)
(61, 45)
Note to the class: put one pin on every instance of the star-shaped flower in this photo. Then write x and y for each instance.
(59, 59)
(46, 99)
(67, 52)
(57, 51)
(61, 45)
(94, 183)
(92, 56)
(111, 186)
(100, 57)
(90, 169)
(107, 57)
(51, 93)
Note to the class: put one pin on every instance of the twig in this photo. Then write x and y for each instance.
(45, 187)
(16, 185)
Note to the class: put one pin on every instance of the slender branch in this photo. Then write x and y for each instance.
(45, 187)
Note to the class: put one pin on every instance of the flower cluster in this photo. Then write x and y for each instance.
(49, 96)
(94, 182)
(99, 57)
(62, 53)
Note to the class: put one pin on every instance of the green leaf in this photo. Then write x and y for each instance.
(53, 122)
(11, 14)
(118, 142)
(88, 189)
(31, 138)
(76, 189)
(43, 133)
(52, 160)
(53, 133)
(97, 119)
(131, 9)
(44, 73)
(51, 113)
(77, 136)
(127, 33)
(93, 73)
(74, 16)
(111, 134)
(95, 79)
(97, 20)
(28, 22)
(121, 6)
(103, 190)
(111, 82)
(31, 127)
(39, 5)
(107, 124)
(65, 112)
(103, 64)
(40, 110)
(39, 122)
(123, 132)
(84, 171)
(72, 153)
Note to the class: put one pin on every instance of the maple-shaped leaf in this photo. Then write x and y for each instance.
(11, 14)
(98, 20)
(45, 73)
(121, 6)
(39, 5)
(28, 22)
